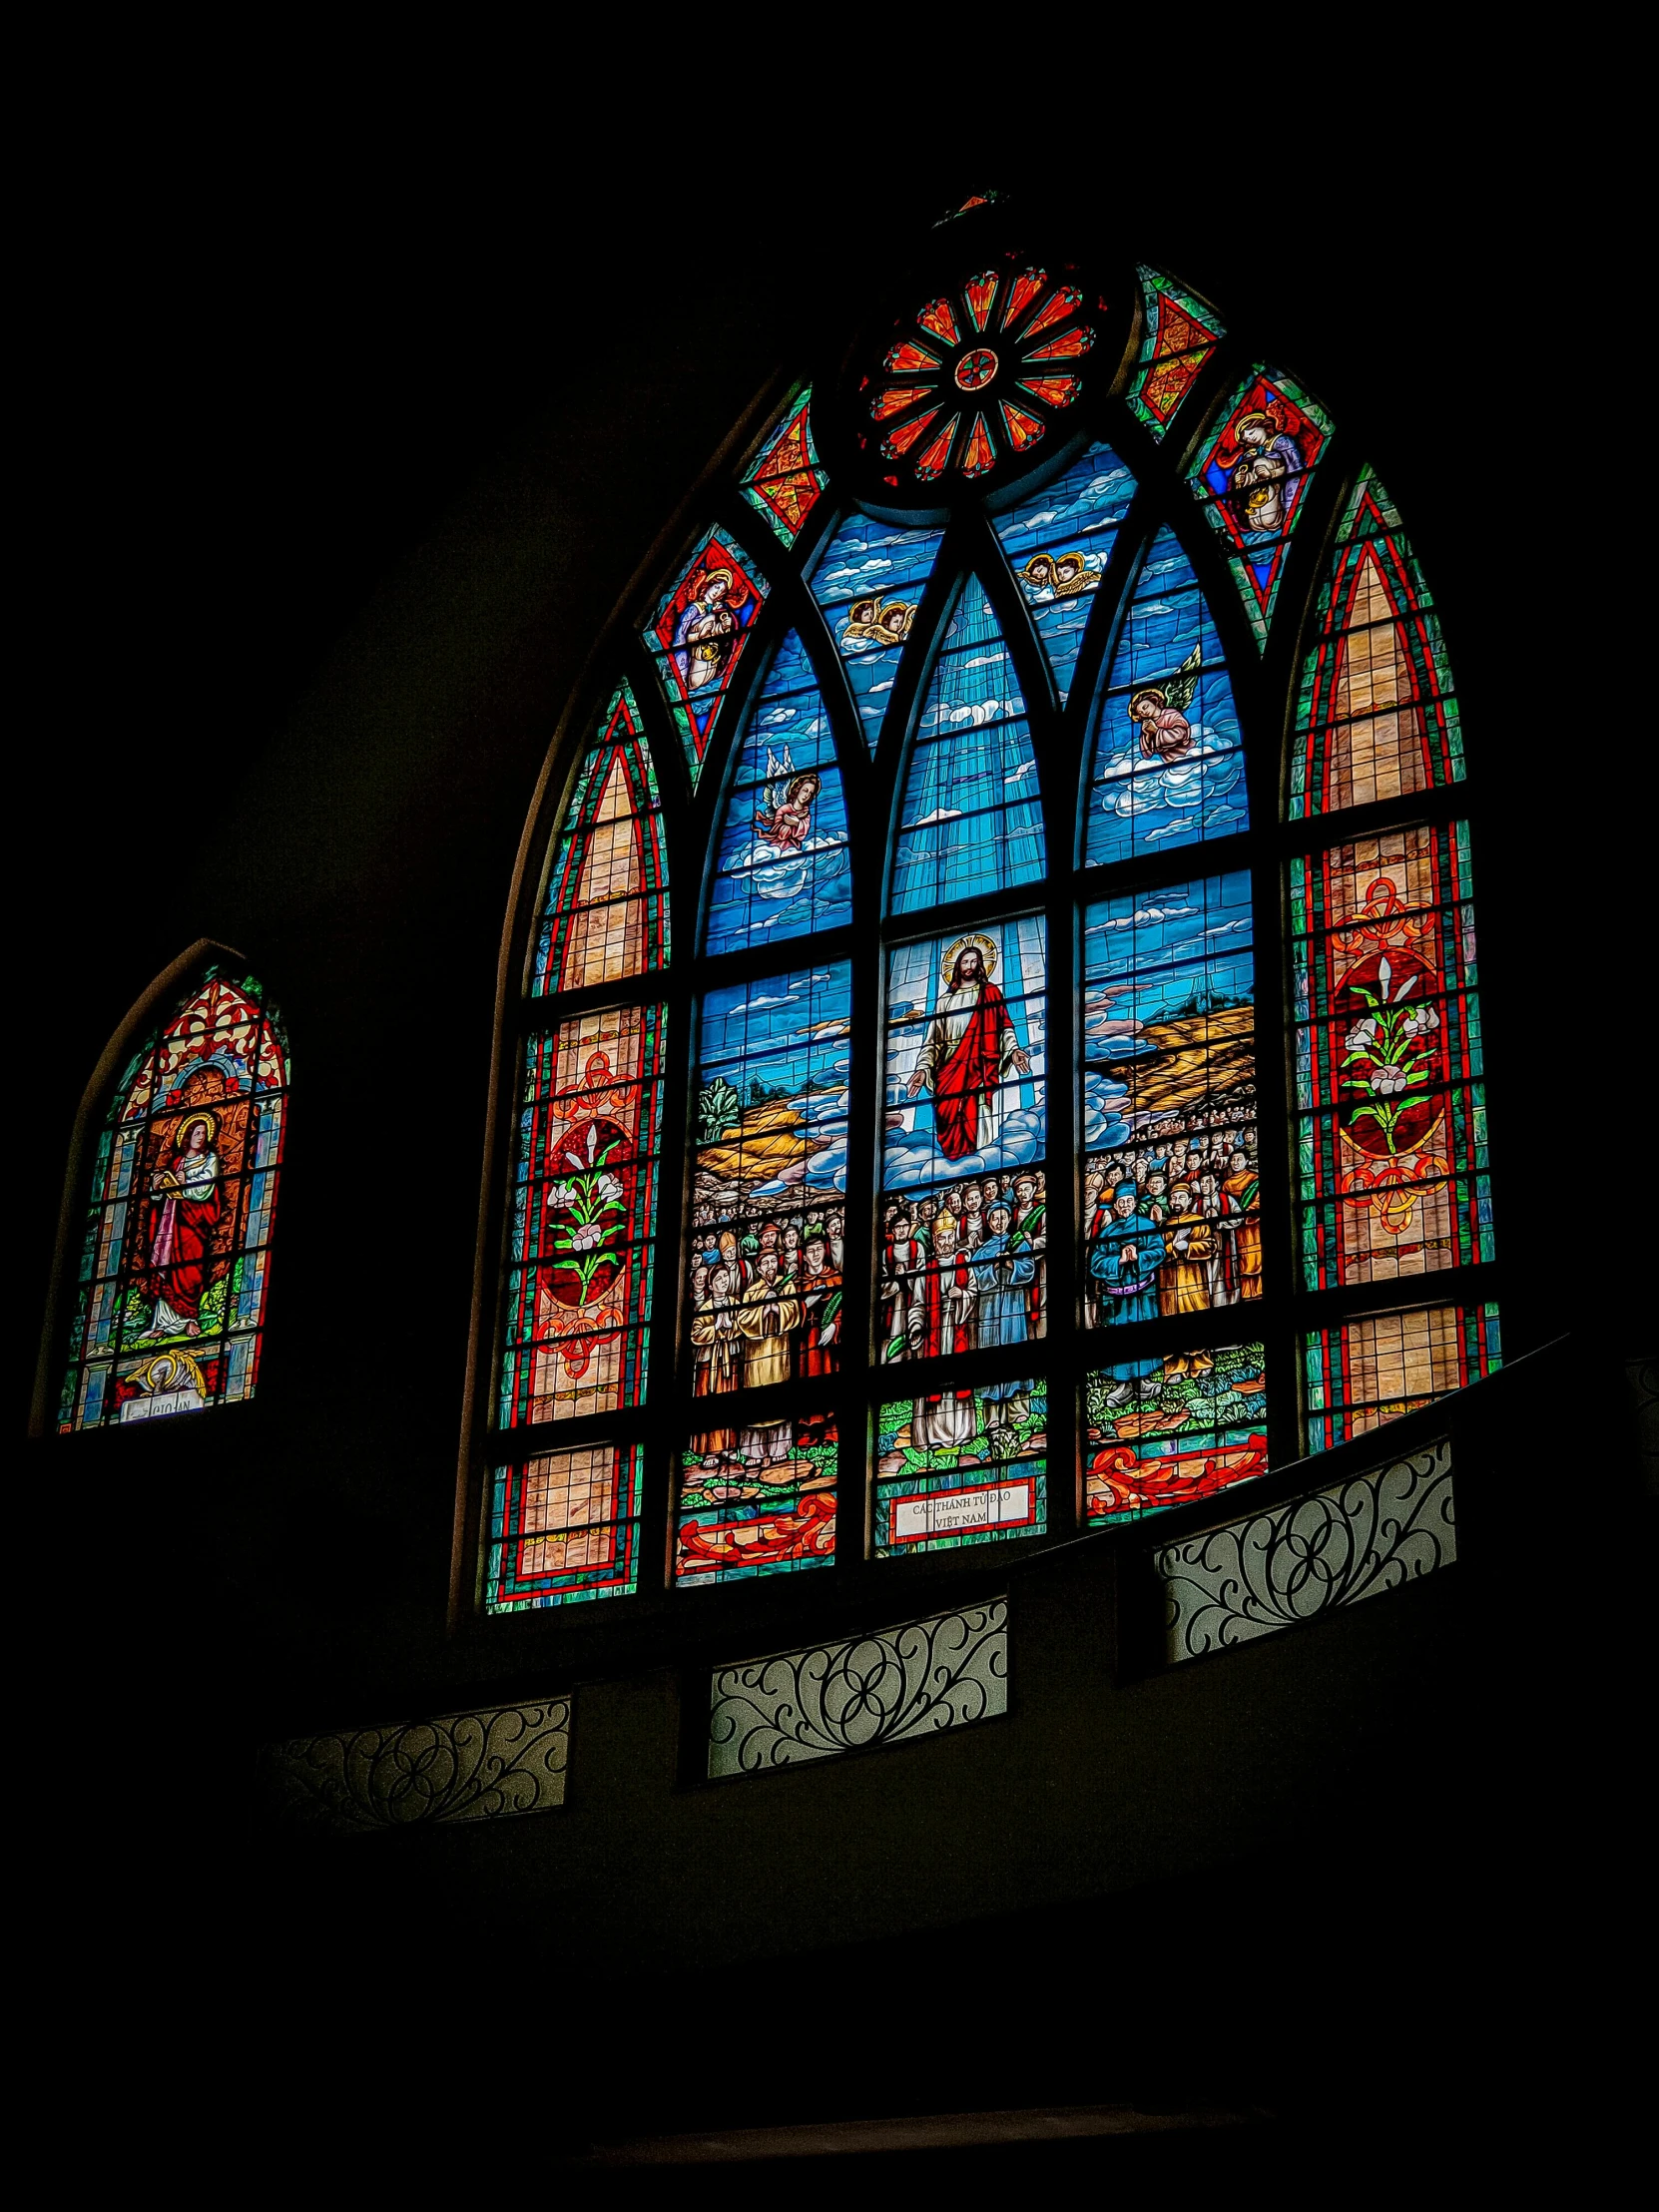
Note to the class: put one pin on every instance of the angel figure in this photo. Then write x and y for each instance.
(1160, 709)
(784, 815)
(877, 621)
(1056, 575)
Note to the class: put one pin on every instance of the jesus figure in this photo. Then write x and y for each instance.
(968, 1050)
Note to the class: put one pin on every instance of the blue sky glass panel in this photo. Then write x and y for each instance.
(1171, 1204)
(971, 820)
(868, 585)
(1058, 545)
(1168, 767)
(783, 865)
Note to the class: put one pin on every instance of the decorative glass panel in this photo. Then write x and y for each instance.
(698, 635)
(584, 1205)
(868, 585)
(1391, 1133)
(176, 1259)
(1058, 545)
(962, 1468)
(964, 1223)
(781, 865)
(1170, 1187)
(971, 820)
(565, 1526)
(1161, 1431)
(890, 1686)
(1251, 479)
(1168, 765)
(606, 910)
(757, 1500)
(1371, 1371)
(786, 478)
(767, 1205)
(1179, 337)
(1376, 716)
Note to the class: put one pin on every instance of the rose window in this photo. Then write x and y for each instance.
(977, 376)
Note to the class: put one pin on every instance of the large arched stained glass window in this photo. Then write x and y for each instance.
(175, 1257)
(1064, 1099)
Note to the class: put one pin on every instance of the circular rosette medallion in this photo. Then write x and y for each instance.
(584, 1230)
(977, 382)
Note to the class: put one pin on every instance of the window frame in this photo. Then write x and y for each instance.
(1265, 682)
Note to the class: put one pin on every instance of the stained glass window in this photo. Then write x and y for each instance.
(1058, 545)
(766, 1245)
(964, 1209)
(1024, 1100)
(1170, 1186)
(1163, 1430)
(1373, 1369)
(971, 820)
(869, 586)
(1392, 1126)
(1376, 715)
(786, 480)
(781, 865)
(584, 1203)
(698, 635)
(605, 914)
(1251, 478)
(564, 1526)
(175, 1259)
(1180, 334)
(757, 1497)
(1168, 765)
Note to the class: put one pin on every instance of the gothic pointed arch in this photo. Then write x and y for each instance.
(1064, 1107)
(173, 1204)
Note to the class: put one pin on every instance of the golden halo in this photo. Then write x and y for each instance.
(715, 576)
(208, 1121)
(988, 953)
(1148, 691)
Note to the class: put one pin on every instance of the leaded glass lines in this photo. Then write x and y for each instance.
(888, 1345)
(175, 1254)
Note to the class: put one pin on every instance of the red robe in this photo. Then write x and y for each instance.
(179, 1256)
(974, 1068)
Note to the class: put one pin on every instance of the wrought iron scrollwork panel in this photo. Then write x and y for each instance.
(887, 1687)
(480, 1766)
(1374, 1532)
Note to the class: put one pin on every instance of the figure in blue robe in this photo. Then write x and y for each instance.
(1126, 1250)
(1004, 1267)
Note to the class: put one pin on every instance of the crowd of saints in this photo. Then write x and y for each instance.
(1174, 1226)
(965, 1268)
(765, 1299)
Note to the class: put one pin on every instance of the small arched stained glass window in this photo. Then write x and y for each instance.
(1056, 1107)
(175, 1261)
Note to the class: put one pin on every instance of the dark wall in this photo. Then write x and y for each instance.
(339, 487)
